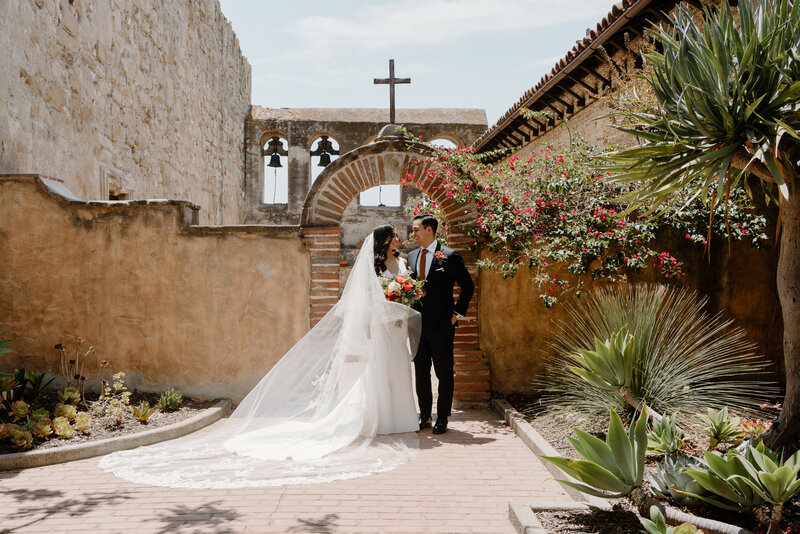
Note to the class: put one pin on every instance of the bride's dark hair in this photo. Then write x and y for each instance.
(382, 237)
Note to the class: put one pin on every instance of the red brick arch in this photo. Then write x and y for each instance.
(386, 161)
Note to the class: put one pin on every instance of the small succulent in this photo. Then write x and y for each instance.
(722, 428)
(144, 411)
(41, 428)
(19, 409)
(5, 429)
(657, 525)
(69, 395)
(62, 427)
(669, 480)
(67, 411)
(83, 422)
(170, 400)
(41, 413)
(20, 438)
(665, 437)
(754, 428)
(7, 383)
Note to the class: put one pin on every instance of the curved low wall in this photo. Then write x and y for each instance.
(207, 310)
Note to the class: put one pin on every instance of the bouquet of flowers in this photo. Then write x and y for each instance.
(402, 289)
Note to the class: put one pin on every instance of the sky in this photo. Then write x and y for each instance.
(458, 53)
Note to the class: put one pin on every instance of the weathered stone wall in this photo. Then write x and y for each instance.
(142, 98)
(515, 327)
(206, 309)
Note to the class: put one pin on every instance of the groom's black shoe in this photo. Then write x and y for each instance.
(424, 421)
(441, 425)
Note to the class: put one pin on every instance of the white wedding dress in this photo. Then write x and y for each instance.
(338, 405)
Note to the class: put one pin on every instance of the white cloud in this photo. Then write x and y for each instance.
(432, 22)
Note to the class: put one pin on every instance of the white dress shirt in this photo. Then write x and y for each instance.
(428, 258)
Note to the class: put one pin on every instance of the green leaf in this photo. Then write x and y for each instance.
(617, 439)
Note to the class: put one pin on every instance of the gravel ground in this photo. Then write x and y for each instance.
(189, 407)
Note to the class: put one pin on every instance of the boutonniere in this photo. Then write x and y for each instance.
(439, 255)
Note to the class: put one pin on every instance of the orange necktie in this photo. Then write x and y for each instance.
(422, 264)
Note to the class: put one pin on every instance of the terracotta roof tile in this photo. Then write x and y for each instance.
(617, 10)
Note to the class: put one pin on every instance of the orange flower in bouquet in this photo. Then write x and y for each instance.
(402, 289)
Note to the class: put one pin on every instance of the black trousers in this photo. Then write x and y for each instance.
(436, 348)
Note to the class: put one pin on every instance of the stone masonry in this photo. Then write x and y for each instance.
(130, 99)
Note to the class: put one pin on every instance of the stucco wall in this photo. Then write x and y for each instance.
(137, 97)
(208, 310)
(515, 327)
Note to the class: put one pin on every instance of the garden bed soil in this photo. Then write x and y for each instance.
(623, 517)
(98, 430)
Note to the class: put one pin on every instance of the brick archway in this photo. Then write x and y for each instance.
(382, 162)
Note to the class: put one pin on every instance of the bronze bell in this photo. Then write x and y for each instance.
(324, 160)
(274, 160)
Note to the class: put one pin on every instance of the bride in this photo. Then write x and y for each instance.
(338, 405)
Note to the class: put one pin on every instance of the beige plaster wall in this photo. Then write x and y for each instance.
(140, 97)
(208, 310)
(515, 327)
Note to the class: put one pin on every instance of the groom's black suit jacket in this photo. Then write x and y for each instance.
(437, 305)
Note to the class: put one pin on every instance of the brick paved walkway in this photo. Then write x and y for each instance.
(460, 482)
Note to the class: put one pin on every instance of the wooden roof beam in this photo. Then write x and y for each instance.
(578, 81)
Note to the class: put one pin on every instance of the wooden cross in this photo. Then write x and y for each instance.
(391, 81)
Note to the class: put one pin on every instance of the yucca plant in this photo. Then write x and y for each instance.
(658, 525)
(670, 482)
(665, 437)
(685, 360)
(4, 343)
(722, 428)
(727, 91)
(610, 468)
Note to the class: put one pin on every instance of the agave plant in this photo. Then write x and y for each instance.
(143, 411)
(610, 468)
(721, 428)
(20, 438)
(744, 481)
(670, 481)
(67, 411)
(724, 476)
(685, 360)
(83, 422)
(657, 525)
(665, 437)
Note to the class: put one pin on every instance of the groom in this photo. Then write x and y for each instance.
(440, 267)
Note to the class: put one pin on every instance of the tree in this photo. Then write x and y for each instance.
(728, 106)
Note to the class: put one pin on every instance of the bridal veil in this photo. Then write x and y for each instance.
(313, 418)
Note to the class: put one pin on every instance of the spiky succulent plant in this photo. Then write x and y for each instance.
(170, 400)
